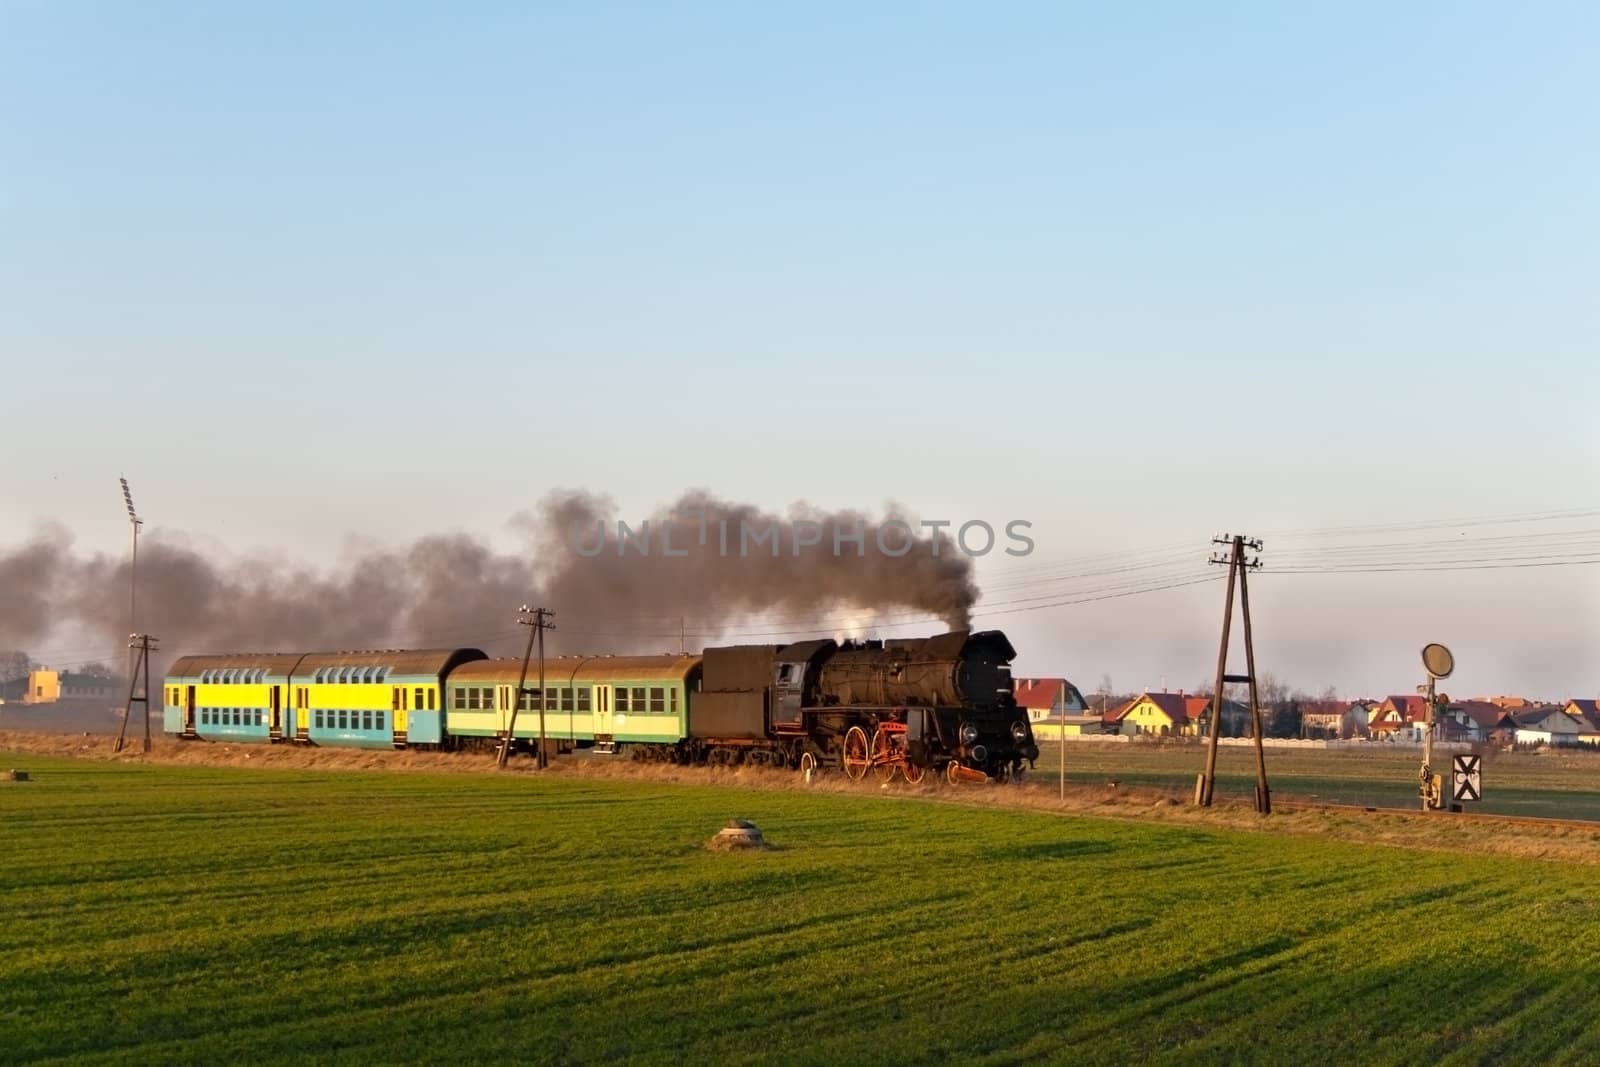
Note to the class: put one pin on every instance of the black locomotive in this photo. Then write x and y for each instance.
(905, 706)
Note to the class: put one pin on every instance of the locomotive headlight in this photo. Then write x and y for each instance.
(1019, 732)
(969, 733)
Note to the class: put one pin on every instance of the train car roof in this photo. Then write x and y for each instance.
(563, 670)
(398, 660)
(274, 663)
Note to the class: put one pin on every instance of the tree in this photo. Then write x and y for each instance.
(13, 665)
(98, 670)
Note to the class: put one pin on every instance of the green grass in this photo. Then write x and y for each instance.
(179, 915)
(1555, 785)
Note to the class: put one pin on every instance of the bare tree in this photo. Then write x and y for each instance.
(14, 665)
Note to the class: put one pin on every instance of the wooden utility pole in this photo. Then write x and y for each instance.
(539, 621)
(1238, 568)
(1062, 723)
(141, 644)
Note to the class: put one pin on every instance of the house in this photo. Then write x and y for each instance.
(1355, 724)
(1400, 717)
(1176, 715)
(1235, 717)
(1552, 726)
(1048, 698)
(46, 686)
(1587, 710)
(1322, 718)
(1468, 720)
(1155, 714)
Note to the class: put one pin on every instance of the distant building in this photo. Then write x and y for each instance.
(1587, 710)
(45, 686)
(1177, 715)
(1049, 698)
(1156, 715)
(1552, 726)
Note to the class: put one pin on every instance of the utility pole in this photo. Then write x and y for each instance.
(141, 646)
(1238, 568)
(1063, 724)
(539, 621)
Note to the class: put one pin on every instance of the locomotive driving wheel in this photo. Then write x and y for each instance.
(914, 772)
(886, 755)
(856, 754)
(808, 765)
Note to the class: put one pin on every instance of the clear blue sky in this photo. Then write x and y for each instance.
(1136, 273)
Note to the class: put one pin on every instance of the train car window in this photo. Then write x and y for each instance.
(460, 700)
(672, 698)
(638, 698)
(583, 698)
(383, 673)
(472, 698)
(658, 699)
(366, 720)
(316, 719)
(488, 698)
(566, 699)
(431, 692)
(622, 699)
(550, 699)
(417, 699)
(377, 718)
(394, 699)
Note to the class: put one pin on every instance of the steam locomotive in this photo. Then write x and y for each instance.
(897, 707)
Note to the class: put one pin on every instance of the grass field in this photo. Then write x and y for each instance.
(1544, 784)
(184, 914)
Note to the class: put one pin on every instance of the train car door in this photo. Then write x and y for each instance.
(276, 732)
(188, 709)
(602, 711)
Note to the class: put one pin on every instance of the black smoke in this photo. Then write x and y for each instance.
(455, 590)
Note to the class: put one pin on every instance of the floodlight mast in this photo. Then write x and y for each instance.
(134, 522)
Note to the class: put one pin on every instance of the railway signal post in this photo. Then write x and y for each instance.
(1439, 663)
(539, 621)
(1238, 567)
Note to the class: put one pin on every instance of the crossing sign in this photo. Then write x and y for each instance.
(1468, 779)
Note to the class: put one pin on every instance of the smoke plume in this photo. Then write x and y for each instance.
(711, 570)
